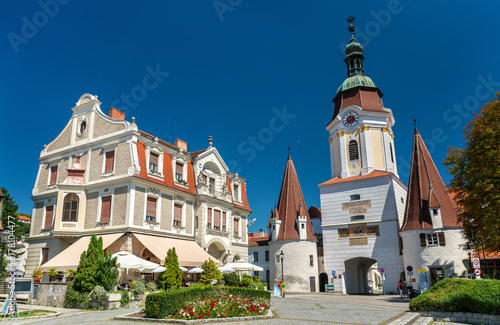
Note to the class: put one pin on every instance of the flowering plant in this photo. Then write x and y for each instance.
(222, 306)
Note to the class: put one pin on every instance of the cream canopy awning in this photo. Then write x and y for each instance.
(70, 257)
(126, 260)
(188, 251)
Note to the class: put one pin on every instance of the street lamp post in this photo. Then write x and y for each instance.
(4, 239)
(281, 255)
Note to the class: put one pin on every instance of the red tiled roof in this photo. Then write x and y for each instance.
(291, 204)
(369, 99)
(314, 212)
(258, 241)
(160, 141)
(168, 176)
(20, 217)
(197, 153)
(426, 190)
(336, 180)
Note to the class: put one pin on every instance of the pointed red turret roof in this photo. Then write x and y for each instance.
(426, 190)
(291, 204)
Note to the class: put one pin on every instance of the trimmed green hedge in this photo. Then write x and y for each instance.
(460, 295)
(162, 304)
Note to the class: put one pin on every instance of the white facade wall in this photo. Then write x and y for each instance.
(384, 211)
(451, 256)
(261, 251)
(297, 269)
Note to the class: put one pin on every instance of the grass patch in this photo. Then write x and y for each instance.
(36, 312)
(460, 295)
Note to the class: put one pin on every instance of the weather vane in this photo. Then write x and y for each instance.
(350, 19)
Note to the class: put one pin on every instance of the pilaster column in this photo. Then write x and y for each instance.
(344, 172)
(366, 150)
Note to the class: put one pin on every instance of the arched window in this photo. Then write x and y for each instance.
(70, 210)
(353, 150)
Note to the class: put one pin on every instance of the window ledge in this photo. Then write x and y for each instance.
(178, 227)
(217, 232)
(104, 222)
(108, 174)
(46, 229)
(51, 187)
(181, 183)
(152, 222)
(154, 174)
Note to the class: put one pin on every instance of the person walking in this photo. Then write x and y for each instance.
(400, 289)
(405, 290)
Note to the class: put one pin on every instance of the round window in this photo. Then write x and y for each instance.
(82, 128)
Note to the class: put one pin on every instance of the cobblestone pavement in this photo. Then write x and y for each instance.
(294, 309)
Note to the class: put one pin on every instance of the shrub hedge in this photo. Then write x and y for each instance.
(162, 304)
(460, 295)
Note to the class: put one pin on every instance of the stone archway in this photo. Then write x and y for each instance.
(216, 249)
(356, 275)
(323, 281)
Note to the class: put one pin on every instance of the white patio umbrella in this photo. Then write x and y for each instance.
(126, 260)
(196, 270)
(226, 269)
(160, 269)
(243, 265)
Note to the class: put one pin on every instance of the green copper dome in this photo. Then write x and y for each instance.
(356, 81)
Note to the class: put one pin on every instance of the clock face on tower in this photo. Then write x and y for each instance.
(350, 119)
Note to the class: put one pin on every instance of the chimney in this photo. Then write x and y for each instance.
(262, 234)
(181, 144)
(116, 113)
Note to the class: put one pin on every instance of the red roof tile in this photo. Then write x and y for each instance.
(426, 190)
(291, 204)
(244, 198)
(314, 212)
(369, 99)
(336, 180)
(258, 241)
(20, 217)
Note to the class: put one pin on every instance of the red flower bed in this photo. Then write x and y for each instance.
(221, 307)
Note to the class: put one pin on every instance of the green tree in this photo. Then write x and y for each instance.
(210, 272)
(172, 277)
(86, 272)
(107, 272)
(9, 207)
(476, 177)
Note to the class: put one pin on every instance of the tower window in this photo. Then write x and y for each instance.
(70, 208)
(392, 154)
(353, 150)
(355, 197)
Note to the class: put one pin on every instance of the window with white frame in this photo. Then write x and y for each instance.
(255, 256)
(432, 239)
(211, 185)
(224, 216)
(151, 209)
(109, 162)
(153, 162)
(217, 219)
(209, 218)
(178, 214)
(105, 208)
(53, 175)
(70, 207)
(236, 192)
(49, 215)
(353, 150)
(179, 171)
(236, 227)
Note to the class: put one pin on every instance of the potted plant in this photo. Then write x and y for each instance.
(37, 275)
(70, 274)
(53, 274)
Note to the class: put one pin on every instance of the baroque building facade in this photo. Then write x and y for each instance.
(102, 175)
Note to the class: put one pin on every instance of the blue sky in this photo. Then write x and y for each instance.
(227, 68)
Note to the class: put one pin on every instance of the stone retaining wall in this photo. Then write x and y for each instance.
(50, 294)
(466, 318)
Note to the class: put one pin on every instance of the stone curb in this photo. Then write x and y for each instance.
(468, 318)
(194, 321)
(30, 317)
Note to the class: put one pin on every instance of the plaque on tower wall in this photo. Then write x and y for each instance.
(358, 241)
(358, 207)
